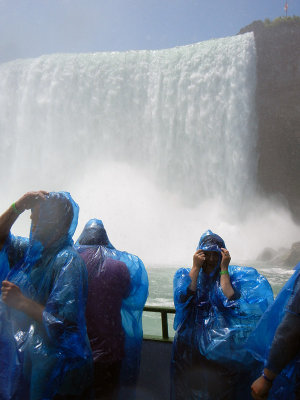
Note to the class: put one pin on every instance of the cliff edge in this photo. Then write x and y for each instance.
(278, 109)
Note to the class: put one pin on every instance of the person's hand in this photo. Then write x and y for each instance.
(12, 295)
(30, 199)
(260, 389)
(225, 259)
(198, 259)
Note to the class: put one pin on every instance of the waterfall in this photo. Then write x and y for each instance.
(118, 130)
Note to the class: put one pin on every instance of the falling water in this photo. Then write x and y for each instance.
(159, 144)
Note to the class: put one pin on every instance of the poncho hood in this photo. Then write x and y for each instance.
(210, 241)
(56, 223)
(94, 233)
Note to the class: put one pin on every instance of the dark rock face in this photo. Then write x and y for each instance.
(278, 109)
(284, 257)
(293, 255)
(267, 254)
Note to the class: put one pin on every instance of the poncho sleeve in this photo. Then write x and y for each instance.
(4, 265)
(64, 313)
(272, 329)
(11, 365)
(252, 293)
(183, 296)
(14, 250)
(11, 257)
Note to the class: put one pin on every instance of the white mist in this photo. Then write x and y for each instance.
(160, 145)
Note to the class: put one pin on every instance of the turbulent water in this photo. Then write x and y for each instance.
(161, 145)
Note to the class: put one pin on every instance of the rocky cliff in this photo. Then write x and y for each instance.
(278, 108)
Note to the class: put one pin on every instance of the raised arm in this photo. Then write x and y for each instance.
(225, 278)
(11, 294)
(8, 218)
(198, 261)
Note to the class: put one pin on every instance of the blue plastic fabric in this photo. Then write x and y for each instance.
(94, 233)
(4, 266)
(132, 305)
(210, 241)
(39, 360)
(260, 341)
(211, 330)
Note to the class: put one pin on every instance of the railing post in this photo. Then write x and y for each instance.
(164, 311)
(164, 325)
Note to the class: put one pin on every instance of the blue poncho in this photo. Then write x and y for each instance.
(260, 341)
(211, 330)
(39, 360)
(132, 306)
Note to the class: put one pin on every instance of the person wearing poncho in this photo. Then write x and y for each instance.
(217, 307)
(44, 348)
(276, 342)
(118, 290)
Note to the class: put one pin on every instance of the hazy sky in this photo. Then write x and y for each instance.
(29, 28)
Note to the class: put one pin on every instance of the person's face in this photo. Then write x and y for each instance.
(41, 229)
(211, 261)
(35, 214)
(211, 257)
(49, 222)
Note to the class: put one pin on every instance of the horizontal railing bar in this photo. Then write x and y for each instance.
(158, 338)
(169, 310)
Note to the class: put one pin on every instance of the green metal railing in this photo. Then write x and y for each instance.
(164, 311)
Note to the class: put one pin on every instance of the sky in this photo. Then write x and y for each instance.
(30, 28)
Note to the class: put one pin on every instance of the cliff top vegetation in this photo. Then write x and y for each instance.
(267, 23)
